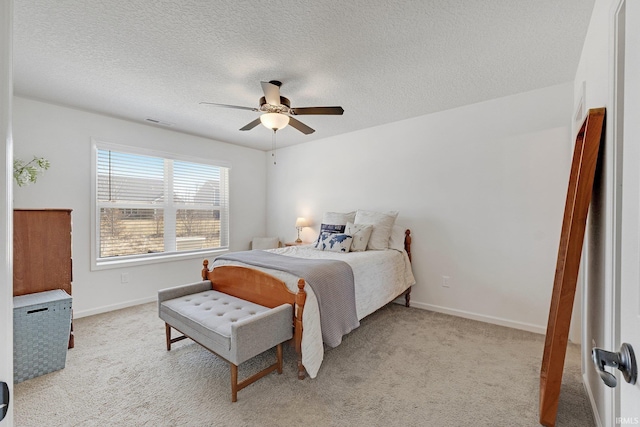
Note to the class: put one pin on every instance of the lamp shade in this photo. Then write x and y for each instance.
(301, 222)
(274, 121)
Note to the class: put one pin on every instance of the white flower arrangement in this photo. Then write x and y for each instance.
(27, 173)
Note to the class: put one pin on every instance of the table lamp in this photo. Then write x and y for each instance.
(300, 224)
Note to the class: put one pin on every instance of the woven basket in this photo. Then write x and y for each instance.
(41, 327)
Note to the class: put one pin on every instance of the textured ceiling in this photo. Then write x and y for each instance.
(382, 61)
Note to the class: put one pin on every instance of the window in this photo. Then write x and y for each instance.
(151, 205)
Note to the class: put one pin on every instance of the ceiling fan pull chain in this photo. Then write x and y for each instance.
(273, 146)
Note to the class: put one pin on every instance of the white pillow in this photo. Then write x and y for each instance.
(361, 234)
(334, 242)
(396, 241)
(338, 218)
(265, 243)
(382, 226)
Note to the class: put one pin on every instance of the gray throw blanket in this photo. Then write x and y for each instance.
(331, 281)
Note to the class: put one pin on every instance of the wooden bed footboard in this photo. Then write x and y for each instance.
(263, 289)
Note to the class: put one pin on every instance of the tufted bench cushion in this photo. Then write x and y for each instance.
(230, 327)
(213, 317)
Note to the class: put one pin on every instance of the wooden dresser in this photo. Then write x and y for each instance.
(42, 252)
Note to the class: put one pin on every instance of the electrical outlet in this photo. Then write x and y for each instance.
(124, 278)
(445, 281)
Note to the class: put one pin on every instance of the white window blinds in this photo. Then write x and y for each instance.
(148, 204)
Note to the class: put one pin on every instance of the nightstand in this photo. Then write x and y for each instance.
(297, 244)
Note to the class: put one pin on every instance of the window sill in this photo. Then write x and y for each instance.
(106, 264)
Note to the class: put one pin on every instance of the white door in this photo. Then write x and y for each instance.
(628, 402)
(6, 208)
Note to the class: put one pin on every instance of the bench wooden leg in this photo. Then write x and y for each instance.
(170, 341)
(234, 383)
(167, 330)
(235, 386)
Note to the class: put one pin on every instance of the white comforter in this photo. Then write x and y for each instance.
(379, 276)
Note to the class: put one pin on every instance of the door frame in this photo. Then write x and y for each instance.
(610, 405)
(617, 124)
(6, 209)
(626, 315)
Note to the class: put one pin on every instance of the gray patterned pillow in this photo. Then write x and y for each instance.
(334, 242)
(330, 229)
(360, 234)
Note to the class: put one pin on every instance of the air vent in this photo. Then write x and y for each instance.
(158, 122)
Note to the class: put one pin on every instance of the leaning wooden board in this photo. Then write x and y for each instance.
(585, 158)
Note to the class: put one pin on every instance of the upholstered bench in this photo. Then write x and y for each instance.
(232, 328)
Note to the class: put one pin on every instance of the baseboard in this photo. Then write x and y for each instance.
(594, 407)
(481, 317)
(106, 308)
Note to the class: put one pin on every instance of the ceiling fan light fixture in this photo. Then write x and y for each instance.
(274, 121)
(277, 112)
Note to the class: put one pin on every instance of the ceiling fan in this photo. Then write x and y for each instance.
(277, 111)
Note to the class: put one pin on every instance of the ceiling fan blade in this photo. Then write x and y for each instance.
(300, 126)
(231, 106)
(317, 110)
(251, 125)
(271, 93)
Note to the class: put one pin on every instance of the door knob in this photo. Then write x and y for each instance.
(4, 402)
(624, 360)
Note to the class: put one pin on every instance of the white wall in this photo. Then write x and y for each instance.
(63, 136)
(596, 69)
(481, 187)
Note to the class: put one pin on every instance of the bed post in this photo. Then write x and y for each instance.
(205, 269)
(407, 247)
(407, 242)
(301, 297)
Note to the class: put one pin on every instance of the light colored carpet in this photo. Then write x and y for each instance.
(403, 366)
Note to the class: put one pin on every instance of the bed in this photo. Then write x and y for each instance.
(379, 277)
